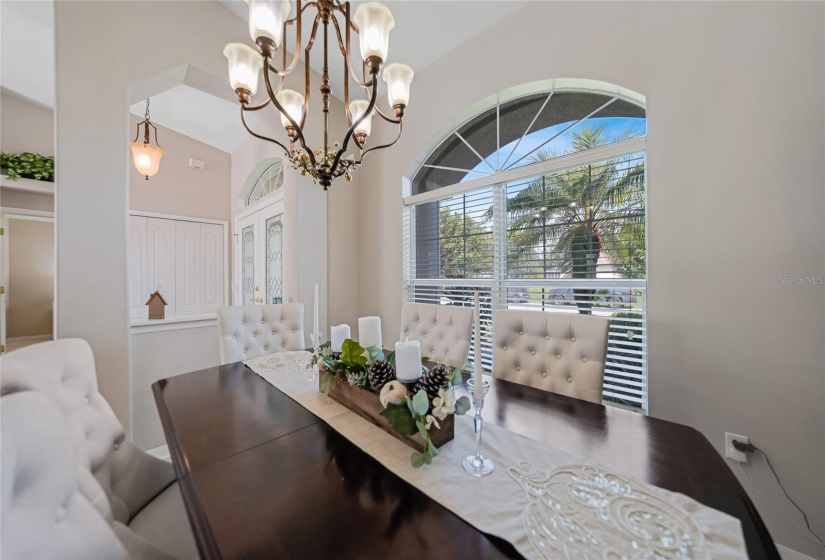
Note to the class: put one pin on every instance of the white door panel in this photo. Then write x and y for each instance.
(188, 259)
(161, 257)
(211, 278)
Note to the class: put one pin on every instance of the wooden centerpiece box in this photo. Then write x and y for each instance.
(366, 405)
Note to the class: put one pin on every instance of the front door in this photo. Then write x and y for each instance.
(259, 256)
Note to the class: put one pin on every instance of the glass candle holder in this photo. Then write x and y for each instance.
(477, 464)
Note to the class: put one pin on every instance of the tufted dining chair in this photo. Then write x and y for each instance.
(130, 488)
(249, 331)
(44, 512)
(444, 331)
(559, 352)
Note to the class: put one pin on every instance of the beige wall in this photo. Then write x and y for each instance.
(31, 278)
(735, 174)
(11, 198)
(25, 127)
(177, 188)
(93, 134)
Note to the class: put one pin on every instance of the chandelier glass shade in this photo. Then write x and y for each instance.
(146, 156)
(268, 26)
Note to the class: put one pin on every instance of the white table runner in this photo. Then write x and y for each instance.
(545, 502)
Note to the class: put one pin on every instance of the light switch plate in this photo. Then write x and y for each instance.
(197, 163)
(731, 452)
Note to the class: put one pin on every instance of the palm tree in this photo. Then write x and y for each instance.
(576, 214)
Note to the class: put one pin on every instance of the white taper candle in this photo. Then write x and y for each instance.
(478, 389)
(315, 329)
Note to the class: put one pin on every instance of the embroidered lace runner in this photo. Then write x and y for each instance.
(545, 502)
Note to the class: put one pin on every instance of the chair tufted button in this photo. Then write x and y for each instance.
(447, 353)
(243, 323)
(544, 374)
(293, 330)
(116, 446)
(233, 337)
(425, 335)
(547, 337)
(442, 338)
(86, 400)
(521, 332)
(262, 321)
(419, 321)
(573, 339)
(283, 345)
(406, 332)
(273, 332)
(558, 356)
(282, 320)
(266, 347)
(533, 352)
(504, 348)
(254, 335)
(584, 360)
(244, 350)
(435, 323)
(61, 514)
(518, 368)
(570, 380)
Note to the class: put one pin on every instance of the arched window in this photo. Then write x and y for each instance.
(538, 202)
(266, 178)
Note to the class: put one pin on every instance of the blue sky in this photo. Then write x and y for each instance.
(613, 127)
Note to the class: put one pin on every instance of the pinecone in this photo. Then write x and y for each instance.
(381, 373)
(435, 379)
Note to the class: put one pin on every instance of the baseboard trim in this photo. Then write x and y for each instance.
(43, 337)
(162, 452)
(789, 554)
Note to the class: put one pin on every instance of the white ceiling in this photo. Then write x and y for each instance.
(425, 31)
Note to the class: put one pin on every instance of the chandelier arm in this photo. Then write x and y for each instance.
(386, 118)
(137, 134)
(398, 137)
(346, 49)
(256, 107)
(351, 130)
(341, 7)
(156, 134)
(256, 135)
(298, 131)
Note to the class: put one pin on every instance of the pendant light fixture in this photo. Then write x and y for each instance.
(268, 24)
(145, 155)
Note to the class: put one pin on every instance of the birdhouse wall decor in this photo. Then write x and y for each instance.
(157, 305)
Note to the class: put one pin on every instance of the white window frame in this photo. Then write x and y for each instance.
(499, 283)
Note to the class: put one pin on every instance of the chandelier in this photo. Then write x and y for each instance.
(146, 156)
(268, 22)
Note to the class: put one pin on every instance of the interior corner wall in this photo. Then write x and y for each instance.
(178, 189)
(735, 207)
(93, 166)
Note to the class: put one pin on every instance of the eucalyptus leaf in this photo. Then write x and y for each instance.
(431, 449)
(417, 460)
(390, 358)
(462, 405)
(421, 403)
(328, 381)
(455, 377)
(400, 419)
(428, 459)
(376, 353)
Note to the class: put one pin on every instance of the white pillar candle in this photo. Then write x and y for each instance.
(408, 360)
(478, 380)
(315, 329)
(337, 337)
(369, 332)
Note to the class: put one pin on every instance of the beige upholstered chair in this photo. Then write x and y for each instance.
(249, 331)
(444, 331)
(559, 352)
(129, 488)
(44, 512)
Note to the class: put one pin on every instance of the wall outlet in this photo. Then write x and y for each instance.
(731, 452)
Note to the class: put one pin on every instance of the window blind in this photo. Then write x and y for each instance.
(571, 241)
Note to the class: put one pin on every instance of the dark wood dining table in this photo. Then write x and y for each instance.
(262, 477)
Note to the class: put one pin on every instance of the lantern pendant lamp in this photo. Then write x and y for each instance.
(145, 155)
(335, 27)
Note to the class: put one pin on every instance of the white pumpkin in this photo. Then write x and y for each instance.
(393, 392)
